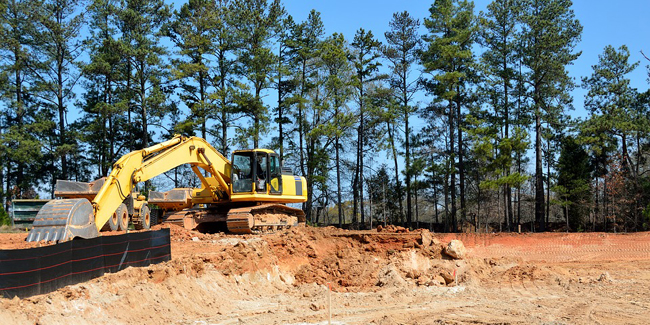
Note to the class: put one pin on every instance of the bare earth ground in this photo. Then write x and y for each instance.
(376, 278)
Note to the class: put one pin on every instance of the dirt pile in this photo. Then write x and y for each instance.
(348, 260)
(385, 277)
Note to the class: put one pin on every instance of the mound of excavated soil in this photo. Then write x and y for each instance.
(385, 277)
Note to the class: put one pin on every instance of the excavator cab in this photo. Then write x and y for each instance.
(256, 171)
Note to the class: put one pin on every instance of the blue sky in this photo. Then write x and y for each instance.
(604, 22)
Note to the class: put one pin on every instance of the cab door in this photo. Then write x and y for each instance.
(242, 172)
(275, 173)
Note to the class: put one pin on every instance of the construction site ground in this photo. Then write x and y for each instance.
(385, 277)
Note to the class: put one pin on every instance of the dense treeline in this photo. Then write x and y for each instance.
(463, 124)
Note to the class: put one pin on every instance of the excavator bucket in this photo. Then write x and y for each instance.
(61, 220)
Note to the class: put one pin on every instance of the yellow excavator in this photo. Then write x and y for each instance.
(248, 194)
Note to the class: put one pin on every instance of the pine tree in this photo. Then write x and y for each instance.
(258, 21)
(192, 30)
(550, 33)
(448, 55)
(364, 58)
(54, 66)
(610, 97)
(499, 36)
(614, 113)
(401, 49)
(574, 177)
(103, 74)
(304, 43)
(140, 23)
(284, 83)
(18, 141)
(334, 55)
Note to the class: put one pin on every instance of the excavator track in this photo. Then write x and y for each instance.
(263, 218)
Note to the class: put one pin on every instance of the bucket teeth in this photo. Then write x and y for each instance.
(61, 220)
(46, 234)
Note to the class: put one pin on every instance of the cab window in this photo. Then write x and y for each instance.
(242, 172)
(276, 174)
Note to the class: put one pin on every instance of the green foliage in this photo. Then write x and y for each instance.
(549, 35)
(5, 219)
(402, 50)
(610, 102)
(192, 30)
(257, 20)
(646, 217)
(141, 25)
(573, 184)
(447, 52)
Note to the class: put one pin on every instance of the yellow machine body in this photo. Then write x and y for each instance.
(253, 185)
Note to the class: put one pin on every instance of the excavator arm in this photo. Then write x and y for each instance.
(69, 218)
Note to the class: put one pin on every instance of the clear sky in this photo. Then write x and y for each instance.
(604, 22)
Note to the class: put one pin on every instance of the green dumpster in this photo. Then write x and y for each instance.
(23, 211)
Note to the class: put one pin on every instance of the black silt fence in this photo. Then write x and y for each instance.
(33, 271)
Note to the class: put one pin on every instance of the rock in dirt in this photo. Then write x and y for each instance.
(447, 277)
(425, 238)
(456, 249)
(439, 281)
(605, 277)
(386, 320)
(316, 307)
(390, 277)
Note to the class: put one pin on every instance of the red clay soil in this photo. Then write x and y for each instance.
(387, 277)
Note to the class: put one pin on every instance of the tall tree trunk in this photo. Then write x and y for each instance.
(548, 182)
(20, 112)
(224, 102)
(355, 187)
(452, 185)
(446, 191)
(3, 194)
(506, 122)
(280, 103)
(311, 147)
(605, 203)
(338, 183)
(128, 106)
(408, 172)
(7, 188)
(143, 106)
(111, 132)
(62, 140)
(300, 124)
(461, 165)
(539, 175)
(361, 147)
(417, 210)
(391, 134)
(256, 118)
(597, 205)
(435, 204)
(204, 117)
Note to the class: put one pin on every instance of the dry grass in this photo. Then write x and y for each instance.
(10, 229)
